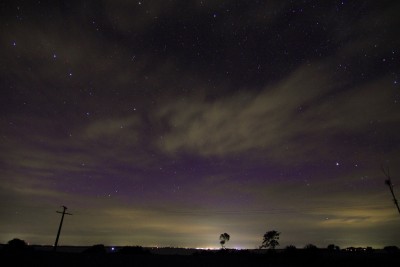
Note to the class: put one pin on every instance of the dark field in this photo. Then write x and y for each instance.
(201, 258)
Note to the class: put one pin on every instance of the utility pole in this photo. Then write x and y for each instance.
(59, 228)
(388, 182)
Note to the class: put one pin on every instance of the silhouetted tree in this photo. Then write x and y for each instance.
(332, 247)
(310, 247)
(16, 245)
(223, 238)
(270, 239)
(391, 249)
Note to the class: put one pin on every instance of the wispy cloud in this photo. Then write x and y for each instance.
(298, 116)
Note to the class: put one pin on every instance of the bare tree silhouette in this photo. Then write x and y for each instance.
(223, 238)
(388, 182)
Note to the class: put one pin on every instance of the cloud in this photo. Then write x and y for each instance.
(51, 160)
(358, 217)
(297, 116)
(233, 124)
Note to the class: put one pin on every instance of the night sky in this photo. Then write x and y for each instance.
(167, 123)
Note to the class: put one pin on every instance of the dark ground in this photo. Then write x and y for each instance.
(204, 258)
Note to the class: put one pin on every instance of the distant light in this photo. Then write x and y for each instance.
(337, 164)
(112, 249)
(209, 248)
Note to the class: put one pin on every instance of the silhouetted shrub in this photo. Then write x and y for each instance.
(391, 249)
(311, 247)
(136, 250)
(17, 245)
(369, 250)
(96, 249)
(333, 247)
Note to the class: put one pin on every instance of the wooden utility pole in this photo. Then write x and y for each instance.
(388, 182)
(59, 228)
